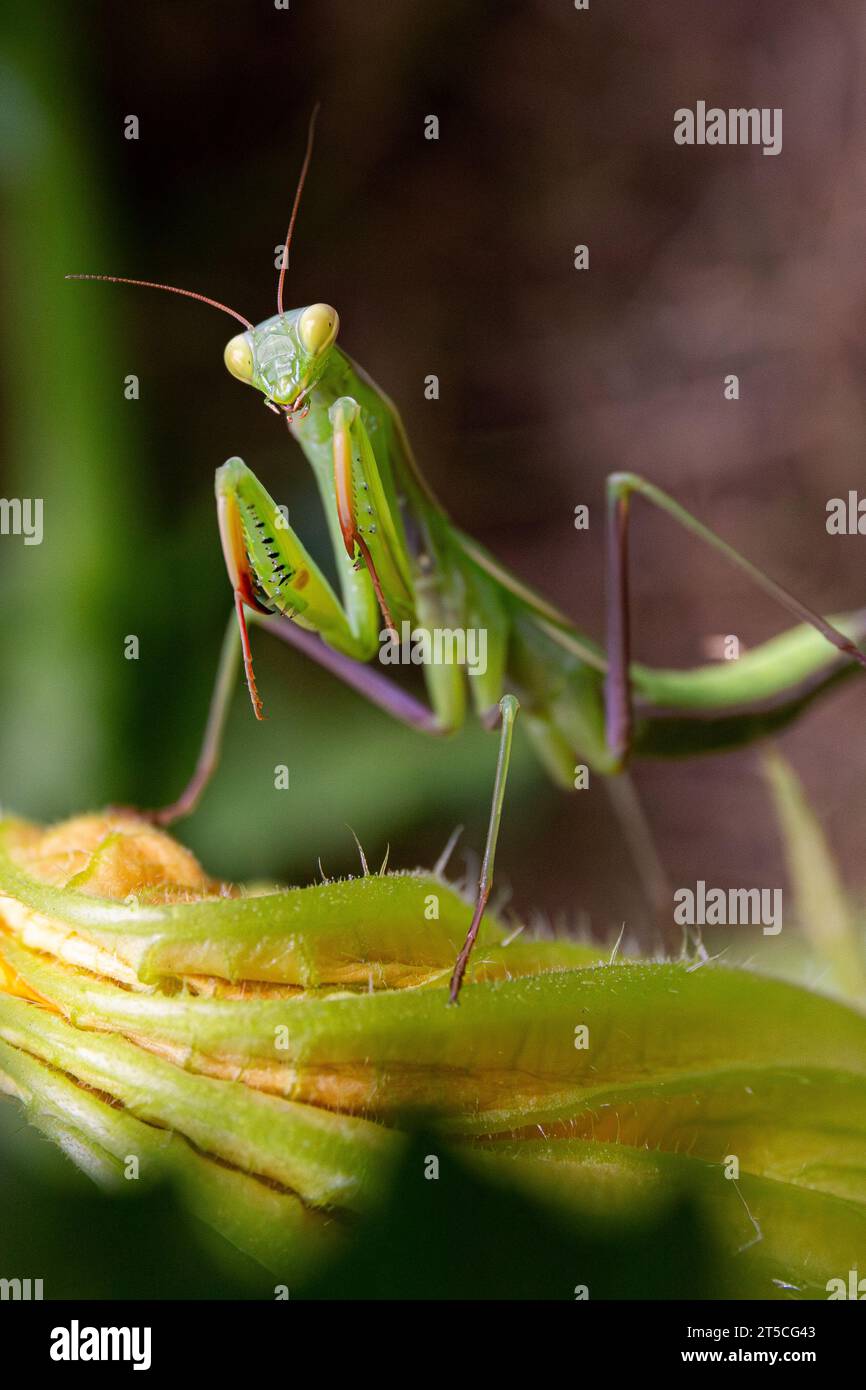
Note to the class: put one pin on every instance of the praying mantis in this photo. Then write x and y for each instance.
(400, 559)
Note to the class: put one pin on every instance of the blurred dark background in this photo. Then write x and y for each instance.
(451, 257)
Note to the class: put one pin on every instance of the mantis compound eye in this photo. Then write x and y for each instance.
(317, 328)
(238, 357)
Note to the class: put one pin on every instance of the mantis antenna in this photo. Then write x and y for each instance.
(205, 299)
(170, 289)
(311, 130)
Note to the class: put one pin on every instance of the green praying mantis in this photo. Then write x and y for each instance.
(400, 559)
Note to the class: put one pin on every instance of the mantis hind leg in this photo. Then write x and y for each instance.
(641, 845)
(618, 702)
(619, 717)
(558, 753)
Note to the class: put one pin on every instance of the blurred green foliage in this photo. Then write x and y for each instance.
(65, 441)
(459, 1238)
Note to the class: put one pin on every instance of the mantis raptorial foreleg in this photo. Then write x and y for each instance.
(618, 688)
(374, 533)
(267, 562)
(270, 568)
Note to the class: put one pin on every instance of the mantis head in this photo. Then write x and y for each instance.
(284, 357)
